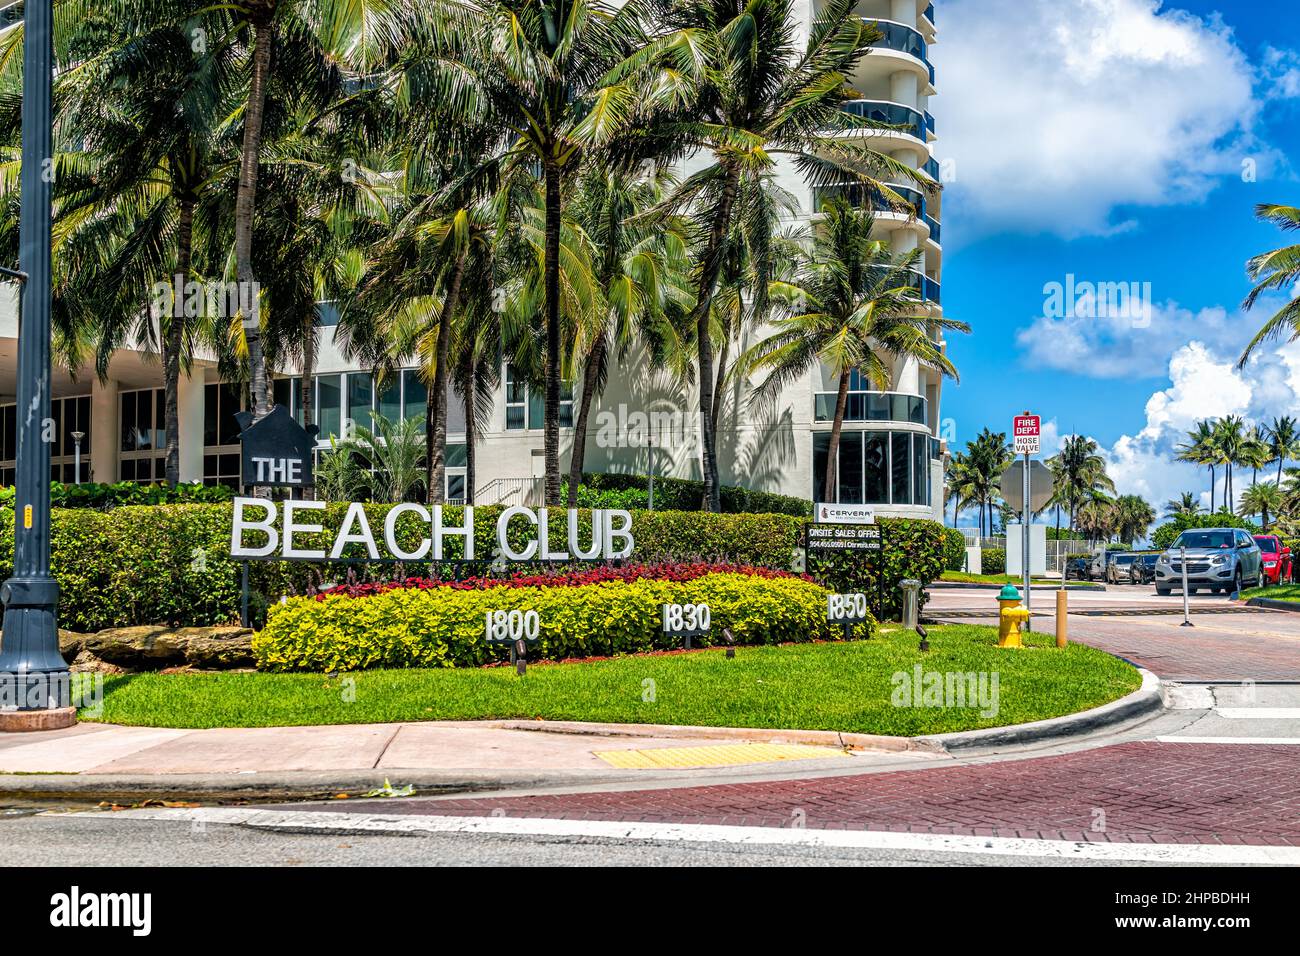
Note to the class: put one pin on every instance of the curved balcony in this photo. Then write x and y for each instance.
(934, 228)
(901, 38)
(905, 119)
(869, 406)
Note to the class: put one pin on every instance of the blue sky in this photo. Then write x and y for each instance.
(1115, 141)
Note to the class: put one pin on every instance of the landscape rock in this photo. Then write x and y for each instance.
(158, 647)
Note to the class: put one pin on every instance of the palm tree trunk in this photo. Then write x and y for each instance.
(830, 485)
(246, 200)
(710, 267)
(1211, 489)
(175, 341)
(471, 432)
(435, 430)
(720, 377)
(305, 390)
(578, 456)
(551, 291)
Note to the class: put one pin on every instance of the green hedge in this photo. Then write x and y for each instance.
(954, 550)
(443, 627)
(993, 561)
(683, 494)
(170, 564)
(104, 496)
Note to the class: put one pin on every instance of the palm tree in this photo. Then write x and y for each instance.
(1185, 504)
(1080, 474)
(1096, 517)
(393, 454)
(1199, 450)
(562, 77)
(1275, 271)
(1255, 452)
(1228, 447)
(146, 112)
(957, 483)
(641, 267)
(862, 311)
(1132, 516)
(1283, 439)
(753, 94)
(988, 456)
(308, 44)
(1261, 499)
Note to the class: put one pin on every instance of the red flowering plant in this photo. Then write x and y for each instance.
(564, 577)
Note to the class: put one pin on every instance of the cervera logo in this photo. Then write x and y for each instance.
(846, 514)
(74, 909)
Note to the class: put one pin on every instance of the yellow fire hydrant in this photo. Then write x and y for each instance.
(1010, 617)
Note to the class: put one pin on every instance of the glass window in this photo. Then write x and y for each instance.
(537, 407)
(516, 399)
(456, 486)
(361, 390)
(390, 399)
(850, 467)
(329, 408)
(875, 467)
(900, 457)
(455, 456)
(11, 433)
(415, 394)
(210, 402)
(920, 471)
(159, 418)
(128, 421)
(821, 447)
(282, 392)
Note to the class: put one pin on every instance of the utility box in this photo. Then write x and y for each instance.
(1037, 550)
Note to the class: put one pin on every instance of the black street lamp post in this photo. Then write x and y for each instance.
(33, 675)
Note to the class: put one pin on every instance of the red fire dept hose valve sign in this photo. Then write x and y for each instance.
(1025, 434)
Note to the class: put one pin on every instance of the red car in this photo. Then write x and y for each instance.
(1276, 559)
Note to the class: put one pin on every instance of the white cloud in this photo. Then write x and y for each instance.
(1203, 384)
(1057, 113)
(1112, 346)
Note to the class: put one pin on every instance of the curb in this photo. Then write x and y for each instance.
(1273, 604)
(975, 586)
(1143, 701)
(295, 785)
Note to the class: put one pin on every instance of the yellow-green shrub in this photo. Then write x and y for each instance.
(444, 627)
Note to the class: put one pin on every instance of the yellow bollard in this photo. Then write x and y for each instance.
(1062, 614)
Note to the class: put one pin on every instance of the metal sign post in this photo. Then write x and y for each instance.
(1187, 609)
(1026, 430)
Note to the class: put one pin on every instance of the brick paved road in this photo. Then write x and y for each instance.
(1148, 792)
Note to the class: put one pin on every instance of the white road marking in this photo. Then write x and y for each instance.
(1229, 740)
(331, 821)
(1259, 713)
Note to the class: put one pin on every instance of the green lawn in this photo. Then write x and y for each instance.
(1278, 592)
(832, 686)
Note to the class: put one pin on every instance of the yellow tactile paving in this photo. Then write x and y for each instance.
(721, 755)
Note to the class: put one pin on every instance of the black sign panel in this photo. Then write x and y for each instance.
(276, 451)
(839, 537)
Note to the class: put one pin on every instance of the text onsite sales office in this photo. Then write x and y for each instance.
(283, 521)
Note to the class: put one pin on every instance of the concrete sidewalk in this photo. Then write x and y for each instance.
(476, 746)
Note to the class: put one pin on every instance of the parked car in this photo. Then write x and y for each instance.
(1097, 566)
(1277, 559)
(1117, 567)
(1076, 569)
(1143, 569)
(1218, 559)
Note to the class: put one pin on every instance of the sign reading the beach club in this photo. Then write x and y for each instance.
(281, 525)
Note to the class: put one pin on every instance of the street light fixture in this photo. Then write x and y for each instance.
(76, 456)
(34, 681)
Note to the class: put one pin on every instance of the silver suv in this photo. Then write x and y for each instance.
(1218, 559)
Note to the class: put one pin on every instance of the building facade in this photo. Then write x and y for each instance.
(645, 421)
